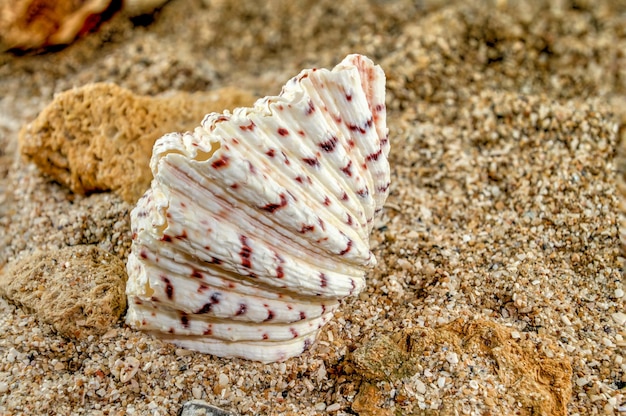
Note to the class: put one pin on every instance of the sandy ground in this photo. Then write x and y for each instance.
(505, 124)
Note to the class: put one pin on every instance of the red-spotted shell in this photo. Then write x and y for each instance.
(257, 223)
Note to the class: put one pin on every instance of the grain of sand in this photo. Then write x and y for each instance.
(504, 123)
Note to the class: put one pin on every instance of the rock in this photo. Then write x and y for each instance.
(539, 379)
(201, 408)
(79, 290)
(368, 401)
(382, 359)
(99, 137)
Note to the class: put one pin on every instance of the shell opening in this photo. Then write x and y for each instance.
(148, 291)
(160, 229)
(202, 156)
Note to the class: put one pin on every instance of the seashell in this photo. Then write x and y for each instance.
(33, 24)
(257, 223)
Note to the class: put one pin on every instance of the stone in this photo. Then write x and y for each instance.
(99, 137)
(79, 290)
(382, 359)
(539, 379)
(369, 400)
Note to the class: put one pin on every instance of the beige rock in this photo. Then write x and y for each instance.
(99, 137)
(79, 290)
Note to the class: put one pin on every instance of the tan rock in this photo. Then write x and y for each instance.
(99, 137)
(368, 401)
(79, 290)
(382, 359)
(539, 379)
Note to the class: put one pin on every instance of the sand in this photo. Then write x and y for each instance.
(506, 126)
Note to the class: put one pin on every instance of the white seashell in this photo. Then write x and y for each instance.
(258, 222)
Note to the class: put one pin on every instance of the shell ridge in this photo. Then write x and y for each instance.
(263, 351)
(230, 260)
(216, 276)
(328, 144)
(289, 266)
(265, 109)
(348, 182)
(292, 213)
(330, 105)
(147, 314)
(373, 84)
(215, 207)
(225, 303)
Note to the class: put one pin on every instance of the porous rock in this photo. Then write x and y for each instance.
(538, 378)
(367, 401)
(79, 290)
(99, 137)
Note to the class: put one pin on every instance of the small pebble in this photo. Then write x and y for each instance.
(420, 387)
(606, 341)
(619, 318)
(581, 381)
(201, 408)
(282, 368)
(321, 373)
(320, 407)
(441, 381)
(222, 380)
(452, 358)
(196, 391)
(12, 355)
(128, 369)
(182, 352)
